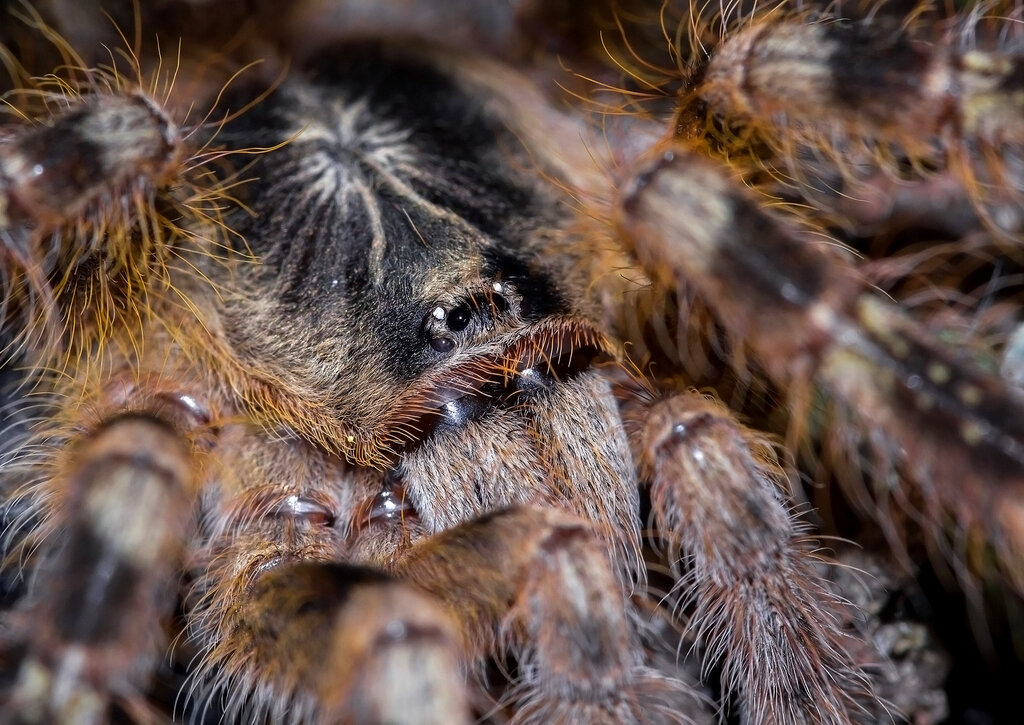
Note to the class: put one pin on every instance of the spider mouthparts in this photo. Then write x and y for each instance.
(544, 355)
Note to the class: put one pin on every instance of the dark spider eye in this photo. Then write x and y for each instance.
(458, 318)
(499, 303)
(442, 344)
(439, 343)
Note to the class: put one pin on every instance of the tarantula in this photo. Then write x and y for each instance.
(373, 381)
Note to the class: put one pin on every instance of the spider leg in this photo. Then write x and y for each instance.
(76, 194)
(542, 577)
(50, 174)
(334, 643)
(287, 632)
(876, 76)
(532, 452)
(942, 94)
(760, 610)
(811, 322)
(92, 626)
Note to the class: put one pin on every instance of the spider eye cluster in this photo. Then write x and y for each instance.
(450, 323)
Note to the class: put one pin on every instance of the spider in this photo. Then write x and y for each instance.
(411, 374)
